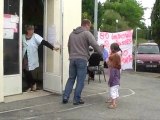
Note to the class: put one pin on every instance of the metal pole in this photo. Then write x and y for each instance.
(135, 52)
(95, 18)
(151, 35)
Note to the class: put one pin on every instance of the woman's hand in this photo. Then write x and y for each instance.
(56, 49)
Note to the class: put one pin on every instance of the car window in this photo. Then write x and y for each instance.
(148, 49)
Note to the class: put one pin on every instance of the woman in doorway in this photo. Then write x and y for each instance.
(31, 41)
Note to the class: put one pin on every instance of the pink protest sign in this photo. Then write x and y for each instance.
(124, 39)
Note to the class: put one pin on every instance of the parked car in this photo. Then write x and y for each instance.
(147, 57)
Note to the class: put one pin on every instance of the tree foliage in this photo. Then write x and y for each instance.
(155, 21)
(127, 12)
(88, 11)
(109, 23)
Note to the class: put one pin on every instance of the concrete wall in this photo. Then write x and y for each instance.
(72, 19)
(1, 51)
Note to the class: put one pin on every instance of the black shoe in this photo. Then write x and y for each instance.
(65, 101)
(91, 78)
(78, 103)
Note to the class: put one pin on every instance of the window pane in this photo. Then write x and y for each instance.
(11, 37)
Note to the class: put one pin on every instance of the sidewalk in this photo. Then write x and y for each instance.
(48, 106)
(19, 106)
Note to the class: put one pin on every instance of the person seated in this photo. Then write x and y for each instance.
(105, 56)
(94, 60)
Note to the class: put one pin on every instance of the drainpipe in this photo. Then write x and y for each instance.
(61, 47)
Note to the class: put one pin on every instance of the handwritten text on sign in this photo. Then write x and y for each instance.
(124, 39)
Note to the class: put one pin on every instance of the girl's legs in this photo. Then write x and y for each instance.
(109, 99)
(114, 95)
(114, 102)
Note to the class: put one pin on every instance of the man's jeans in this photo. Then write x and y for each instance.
(77, 68)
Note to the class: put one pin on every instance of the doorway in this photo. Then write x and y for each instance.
(46, 15)
(33, 13)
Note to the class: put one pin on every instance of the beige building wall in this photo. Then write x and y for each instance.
(1, 51)
(71, 19)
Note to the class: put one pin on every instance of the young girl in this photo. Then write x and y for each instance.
(114, 79)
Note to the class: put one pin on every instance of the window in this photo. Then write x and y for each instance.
(11, 37)
(148, 49)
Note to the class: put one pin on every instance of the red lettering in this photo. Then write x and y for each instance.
(106, 44)
(127, 59)
(124, 42)
(104, 35)
(101, 35)
(125, 52)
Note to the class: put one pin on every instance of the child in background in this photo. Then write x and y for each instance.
(114, 79)
(104, 53)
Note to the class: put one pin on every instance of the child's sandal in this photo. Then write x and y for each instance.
(112, 106)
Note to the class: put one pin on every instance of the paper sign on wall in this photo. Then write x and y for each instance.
(10, 22)
(14, 19)
(8, 34)
(51, 36)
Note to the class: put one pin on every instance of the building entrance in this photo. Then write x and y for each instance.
(46, 16)
(33, 14)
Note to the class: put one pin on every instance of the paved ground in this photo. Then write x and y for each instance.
(139, 100)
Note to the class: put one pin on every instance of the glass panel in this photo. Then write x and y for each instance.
(49, 61)
(11, 37)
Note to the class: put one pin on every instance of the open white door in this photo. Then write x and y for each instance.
(52, 60)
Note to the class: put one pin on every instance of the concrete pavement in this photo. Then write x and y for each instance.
(139, 100)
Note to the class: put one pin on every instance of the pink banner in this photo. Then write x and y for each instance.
(124, 39)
